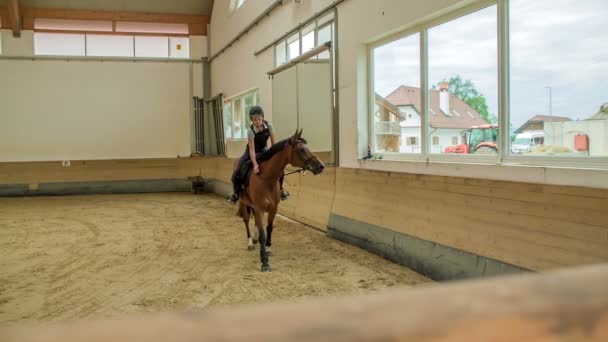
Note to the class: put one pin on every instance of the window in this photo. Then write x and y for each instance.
(238, 3)
(99, 45)
(59, 44)
(93, 42)
(151, 46)
(107, 45)
(236, 114)
(280, 53)
(325, 35)
(397, 92)
(179, 47)
(293, 46)
(308, 38)
(558, 106)
(463, 76)
(315, 34)
(555, 109)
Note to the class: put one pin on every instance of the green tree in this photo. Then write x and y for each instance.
(466, 91)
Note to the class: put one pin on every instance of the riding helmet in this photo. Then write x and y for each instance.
(256, 110)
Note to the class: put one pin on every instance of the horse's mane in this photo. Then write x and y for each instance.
(274, 149)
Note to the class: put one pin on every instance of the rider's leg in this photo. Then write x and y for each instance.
(236, 181)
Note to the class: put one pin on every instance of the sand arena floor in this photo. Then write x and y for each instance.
(73, 257)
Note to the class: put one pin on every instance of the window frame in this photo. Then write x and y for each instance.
(255, 92)
(134, 42)
(503, 157)
(325, 22)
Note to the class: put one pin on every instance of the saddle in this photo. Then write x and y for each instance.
(244, 173)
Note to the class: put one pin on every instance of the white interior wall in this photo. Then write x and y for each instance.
(67, 110)
(23, 46)
(314, 105)
(302, 100)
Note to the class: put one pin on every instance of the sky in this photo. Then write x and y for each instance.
(561, 44)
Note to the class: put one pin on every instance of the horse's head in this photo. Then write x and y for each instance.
(302, 157)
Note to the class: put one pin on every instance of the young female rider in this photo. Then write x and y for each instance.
(257, 136)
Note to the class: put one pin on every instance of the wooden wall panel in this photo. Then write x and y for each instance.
(529, 225)
(103, 170)
(311, 198)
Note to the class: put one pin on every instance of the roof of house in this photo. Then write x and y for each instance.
(537, 122)
(461, 114)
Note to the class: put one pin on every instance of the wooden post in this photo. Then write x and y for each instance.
(14, 17)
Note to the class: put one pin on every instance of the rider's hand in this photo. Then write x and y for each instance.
(256, 169)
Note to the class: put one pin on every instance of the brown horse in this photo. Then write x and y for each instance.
(262, 194)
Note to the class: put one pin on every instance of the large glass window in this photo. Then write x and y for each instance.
(236, 114)
(555, 106)
(463, 76)
(397, 114)
(558, 68)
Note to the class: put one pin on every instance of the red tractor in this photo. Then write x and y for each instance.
(480, 139)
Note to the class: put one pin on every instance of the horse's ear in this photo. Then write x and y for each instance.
(294, 138)
(299, 134)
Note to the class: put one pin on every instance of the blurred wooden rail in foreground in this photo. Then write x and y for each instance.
(567, 305)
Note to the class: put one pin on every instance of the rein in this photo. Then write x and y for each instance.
(302, 171)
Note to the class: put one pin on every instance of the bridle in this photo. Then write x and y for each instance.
(302, 170)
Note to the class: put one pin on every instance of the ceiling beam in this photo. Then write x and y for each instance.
(14, 17)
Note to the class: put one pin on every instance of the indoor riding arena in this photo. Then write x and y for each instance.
(303, 170)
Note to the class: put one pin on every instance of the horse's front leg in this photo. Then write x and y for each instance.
(271, 216)
(259, 216)
(245, 214)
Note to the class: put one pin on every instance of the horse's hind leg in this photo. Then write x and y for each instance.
(245, 214)
(259, 216)
(269, 228)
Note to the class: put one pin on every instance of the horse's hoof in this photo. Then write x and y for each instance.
(251, 248)
(265, 268)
